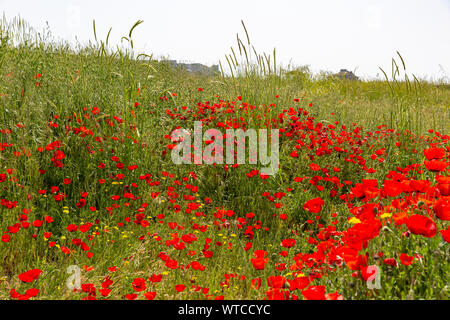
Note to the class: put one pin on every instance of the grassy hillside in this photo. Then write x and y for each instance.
(86, 179)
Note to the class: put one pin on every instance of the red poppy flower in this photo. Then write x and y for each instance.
(443, 179)
(314, 205)
(95, 110)
(422, 225)
(30, 275)
(445, 234)
(112, 269)
(150, 295)
(155, 278)
(72, 227)
(334, 296)
(280, 266)
(288, 243)
(276, 281)
(434, 153)
(32, 292)
(14, 294)
(277, 294)
(207, 253)
(260, 253)
(88, 288)
(180, 287)
(436, 165)
(442, 209)
(298, 283)
(444, 189)
(405, 259)
(37, 223)
(256, 283)
(6, 238)
(366, 190)
(390, 262)
(355, 262)
(314, 293)
(104, 292)
(139, 284)
(259, 263)
(392, 188)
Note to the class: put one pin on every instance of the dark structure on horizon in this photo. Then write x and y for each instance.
(345, 74)
(195, 67)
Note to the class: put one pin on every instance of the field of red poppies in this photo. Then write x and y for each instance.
(92, 206)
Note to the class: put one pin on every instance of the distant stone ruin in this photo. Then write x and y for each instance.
(195, 67)
(345, 74)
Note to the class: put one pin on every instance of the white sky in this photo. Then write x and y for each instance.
(324, 34)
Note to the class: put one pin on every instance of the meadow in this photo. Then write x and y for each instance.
(359, 208)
